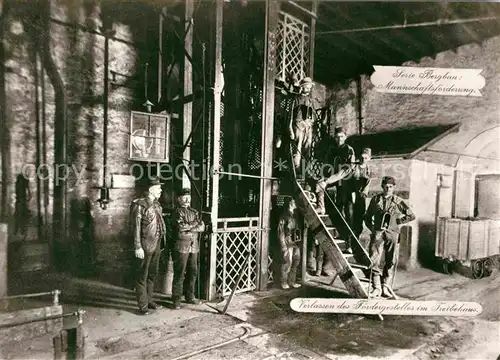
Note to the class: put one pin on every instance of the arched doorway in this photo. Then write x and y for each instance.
(480, 157)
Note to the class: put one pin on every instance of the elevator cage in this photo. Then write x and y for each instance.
(235, 247)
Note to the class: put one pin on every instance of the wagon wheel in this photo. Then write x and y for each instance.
(488, 266)
(477, 269)
(447, 268)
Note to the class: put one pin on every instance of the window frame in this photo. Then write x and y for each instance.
(167, 118)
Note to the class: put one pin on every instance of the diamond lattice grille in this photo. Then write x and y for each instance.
(292, 47)
(233, 249)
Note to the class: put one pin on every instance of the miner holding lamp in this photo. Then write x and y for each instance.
(384, 217)
(289, 236)
(148, 229)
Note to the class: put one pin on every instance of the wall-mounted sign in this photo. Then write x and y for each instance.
(427, 81)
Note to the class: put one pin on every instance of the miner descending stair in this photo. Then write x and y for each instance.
(385, 214)
(322, 229)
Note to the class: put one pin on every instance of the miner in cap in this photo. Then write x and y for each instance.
(340, 159)
(148, 230)
(386, 214)
(302, 118)
(187, 226)
(358, 183)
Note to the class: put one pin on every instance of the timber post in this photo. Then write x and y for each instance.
(271, 29)
(218, 83)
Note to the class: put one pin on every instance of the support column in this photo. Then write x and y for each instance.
(271, 26)
(187, 113)
(3, 260)
(212, 289)
(312, 38)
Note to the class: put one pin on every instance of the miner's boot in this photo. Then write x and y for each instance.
(311, 261)
(386, 291)
(376, 291)
(319, 261)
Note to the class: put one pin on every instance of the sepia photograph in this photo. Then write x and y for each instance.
(249, 179)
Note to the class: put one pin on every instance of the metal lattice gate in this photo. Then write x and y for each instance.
(293, 53)
(237, 242)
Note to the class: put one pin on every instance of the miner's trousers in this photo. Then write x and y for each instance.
(384, 243)
(147, 270)
(289, 265)
(185, 270)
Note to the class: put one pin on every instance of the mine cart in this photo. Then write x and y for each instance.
(474, 243)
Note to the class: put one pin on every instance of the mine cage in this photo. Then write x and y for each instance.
(246, 51)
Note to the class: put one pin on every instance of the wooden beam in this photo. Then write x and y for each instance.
(271, 24)
(219, 7)
(187, 112)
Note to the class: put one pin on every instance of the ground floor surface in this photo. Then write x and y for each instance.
(261, 325)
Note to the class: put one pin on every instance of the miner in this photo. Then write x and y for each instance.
(386, 214)
(359, 183)
(302, 119)
(289, 236)
(186, 226)
(148, 229)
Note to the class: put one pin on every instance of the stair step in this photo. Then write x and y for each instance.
(358, 266)
(333, 231)
(326, 220)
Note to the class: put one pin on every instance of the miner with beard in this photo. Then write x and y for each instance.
(148, 230)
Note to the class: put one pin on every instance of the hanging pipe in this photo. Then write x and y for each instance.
(104, 190)
(438, 22)
(360, 105)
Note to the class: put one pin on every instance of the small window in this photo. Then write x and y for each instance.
(149, 137)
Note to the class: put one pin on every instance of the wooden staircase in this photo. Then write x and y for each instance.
(349, 268)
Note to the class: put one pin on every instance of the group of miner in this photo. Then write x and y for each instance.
(347, 184)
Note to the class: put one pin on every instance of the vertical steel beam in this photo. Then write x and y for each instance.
(187, 113)
(312, 37)
(219, 6)
(271, 28)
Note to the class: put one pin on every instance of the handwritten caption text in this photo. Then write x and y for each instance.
(427, 81)
(386, 307)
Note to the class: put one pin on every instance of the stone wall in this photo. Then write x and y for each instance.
(97, 238)
(477, 139)
(389, 111)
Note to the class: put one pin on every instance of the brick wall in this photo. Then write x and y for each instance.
(77, 49)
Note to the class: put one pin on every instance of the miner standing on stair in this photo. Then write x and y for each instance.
(384, 217)
(301, 124)
(148, 229)
(186, 225)
(359, 182)
(340, 160)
